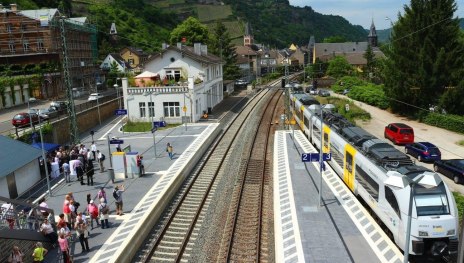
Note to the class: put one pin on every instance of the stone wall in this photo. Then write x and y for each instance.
(86, 120)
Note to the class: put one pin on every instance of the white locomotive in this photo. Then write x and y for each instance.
(365, 162)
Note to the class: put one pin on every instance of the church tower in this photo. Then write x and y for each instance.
(248, 36)
(372, 37)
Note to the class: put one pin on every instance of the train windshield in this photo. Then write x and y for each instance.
(431, 201)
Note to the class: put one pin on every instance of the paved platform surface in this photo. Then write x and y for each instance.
(135, 188)
(339, 230)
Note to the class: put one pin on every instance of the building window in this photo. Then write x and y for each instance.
(23, 27)
(142, 109)
(173, 74)
(9, 28)
(40, 44)
(11, 47)
(26, 46)
(151, 109)
(171, 109)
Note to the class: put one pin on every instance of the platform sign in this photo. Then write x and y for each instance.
(116, 141)
(314, 157)
(184, 109)
(310, 157)
(120, 112)
(159, 124)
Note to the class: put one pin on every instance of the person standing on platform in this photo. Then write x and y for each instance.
(64, 247)
(66, 172)
(104, 211)
(16, 256)
(39, 253)
(89, 172)
(101, 160)
(140, 164)
(102, 194)
(83, 234)
(117, 194)
(170, 150)
(93, 148)
(93, 212)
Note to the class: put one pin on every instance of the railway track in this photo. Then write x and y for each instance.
(243, 237)
(174, 241)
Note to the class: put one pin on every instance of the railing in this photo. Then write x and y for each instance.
(22, 215)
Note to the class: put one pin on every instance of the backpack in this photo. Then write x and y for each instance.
(104, 210)
(115, 194)
(103, 157)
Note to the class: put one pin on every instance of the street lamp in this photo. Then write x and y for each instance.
(321, 153)
(117, 94)
(29, 112)
(44, 160)
(427, 180)
(151, 112)
(391, 29)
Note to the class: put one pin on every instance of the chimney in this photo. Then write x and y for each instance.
(179, 45)
(204, 50)
(164, 46)
(13, 7)
(197, 48)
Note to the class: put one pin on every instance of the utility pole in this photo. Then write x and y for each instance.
(74, 136)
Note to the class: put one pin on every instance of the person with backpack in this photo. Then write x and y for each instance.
(117, 194)
(104, 210)
(93, 212)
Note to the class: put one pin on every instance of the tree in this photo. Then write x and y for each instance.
(370, 61)
(426, 55)
(221, 46)
(339, 67)
(192, 31)
(334, 39)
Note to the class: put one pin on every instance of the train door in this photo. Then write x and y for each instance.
(348, 168)
(326, 139)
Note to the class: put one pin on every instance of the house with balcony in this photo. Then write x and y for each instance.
(179, 85)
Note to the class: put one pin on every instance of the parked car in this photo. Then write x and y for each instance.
(58, 105)
(323, 93)
(423, 151)
(313, 91)
(24, 119)
(241, 82)
(453, 169)
(49, 113)
(95, 96)
(399, 133)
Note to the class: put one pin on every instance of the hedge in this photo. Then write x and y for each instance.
(371, 94)
(446, 121)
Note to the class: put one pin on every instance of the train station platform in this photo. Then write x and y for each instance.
(340, 230)
(142, 194)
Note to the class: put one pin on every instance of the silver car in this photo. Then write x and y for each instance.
(46, 114)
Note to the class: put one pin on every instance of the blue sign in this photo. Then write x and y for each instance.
(314, 157)
(310, 157)
(326, 156)
(120, 112)
(116, 141)
(159, 124)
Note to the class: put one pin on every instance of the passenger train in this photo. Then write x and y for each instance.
(369, 166)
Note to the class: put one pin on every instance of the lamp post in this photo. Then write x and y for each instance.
(321, 154)
(44, 159)
(152, 115)
(391, 29)
(116, 87)
(109, 149)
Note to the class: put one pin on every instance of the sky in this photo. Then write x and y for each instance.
(361, 12)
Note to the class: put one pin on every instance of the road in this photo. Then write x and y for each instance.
(6, 115)
(444, 139)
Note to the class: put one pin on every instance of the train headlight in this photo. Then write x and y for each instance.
(423, 234)
(451, 232)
